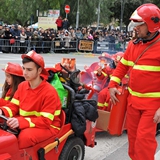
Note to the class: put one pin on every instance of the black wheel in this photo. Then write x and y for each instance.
(73, 149)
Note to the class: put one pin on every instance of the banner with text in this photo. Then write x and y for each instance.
(47, 22)
(85, 45)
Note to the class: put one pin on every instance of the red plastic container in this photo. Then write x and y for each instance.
(118, 113)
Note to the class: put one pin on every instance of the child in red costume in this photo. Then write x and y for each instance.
(104, 96)
(35, 108)
(14, 76)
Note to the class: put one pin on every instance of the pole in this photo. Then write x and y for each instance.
(98, 14)
(77, 17)
(37, 13)
(122, 10)
(31, 19)
(121, 18)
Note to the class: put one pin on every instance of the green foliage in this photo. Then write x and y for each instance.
(20, 11)
(129, 7)
(157, 2)
(87, 11)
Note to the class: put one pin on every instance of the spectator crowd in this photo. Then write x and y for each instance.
(19, 39)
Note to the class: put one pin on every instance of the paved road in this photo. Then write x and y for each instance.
(112, 148)
(108, 147)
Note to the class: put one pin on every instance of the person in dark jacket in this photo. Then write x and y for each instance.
(35, 40)
(7, 36)
(28, 39)
(112, 41)
(28, 33)
(16, 35)
(1, 37)
(65, 24)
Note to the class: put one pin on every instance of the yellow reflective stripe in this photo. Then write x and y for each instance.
(149, 94)
(9, 111)
(147, 68)
(116, 79)
(47, 115)
(55, 127)
(127, 63)
(106, 104)
(35, 113)
(44, 114)
(57, 112)
(104, 74)
(7, 98)
(15, 101)
(102, 104)
(31, 124)
(95, 72)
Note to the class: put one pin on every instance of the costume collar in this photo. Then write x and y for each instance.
(145, 40)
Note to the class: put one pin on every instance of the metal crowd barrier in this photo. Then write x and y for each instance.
(65, 46)
(104, 46)
(17, 46)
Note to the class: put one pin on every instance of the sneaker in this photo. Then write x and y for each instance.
(1, 52)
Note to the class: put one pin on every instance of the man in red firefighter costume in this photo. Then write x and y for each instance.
(35, 107)
(104, 73)
(143, 110)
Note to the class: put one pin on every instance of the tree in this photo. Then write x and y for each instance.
(88, 11)
(129, 8)
(157, 2)
(21, 11)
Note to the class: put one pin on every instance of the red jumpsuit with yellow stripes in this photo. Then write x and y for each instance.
(104, 95)
(6, 99)
(144, 97)
(102, 103)
(37, 111)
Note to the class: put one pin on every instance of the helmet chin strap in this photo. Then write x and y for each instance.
(146, 40)
(149, 33)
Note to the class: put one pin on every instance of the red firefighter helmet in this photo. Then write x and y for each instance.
(147, 13)
(105, 58)
(117, 57)
(14, 69)
(105, 55)
(37, 58)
